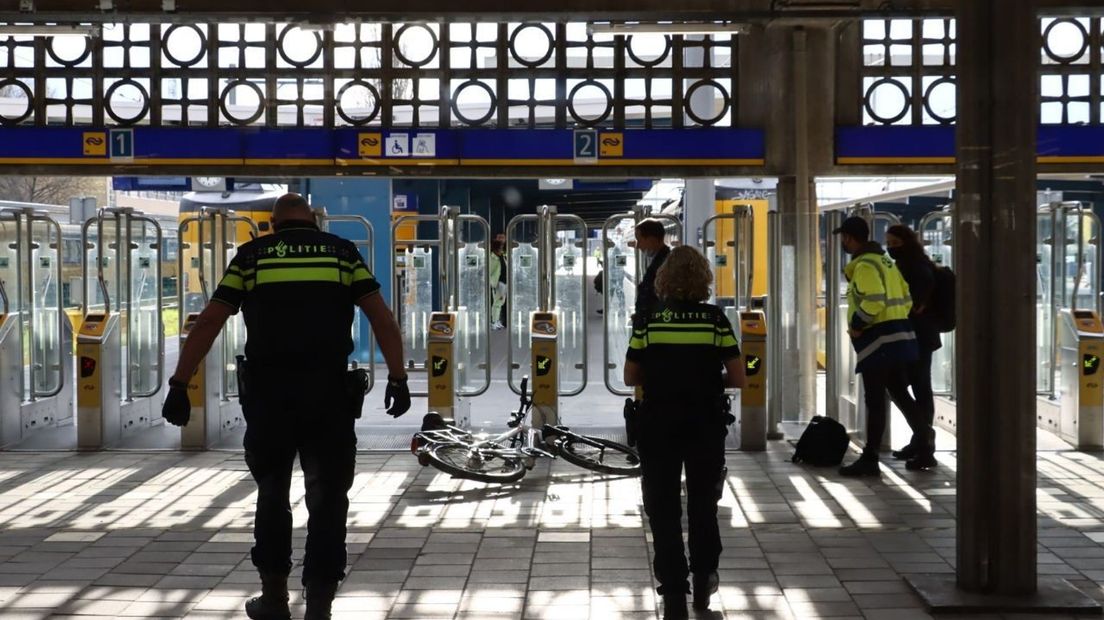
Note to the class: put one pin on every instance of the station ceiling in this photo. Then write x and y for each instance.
(553, 10)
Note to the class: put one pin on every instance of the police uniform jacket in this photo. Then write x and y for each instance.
(297, 289)
(682, 347)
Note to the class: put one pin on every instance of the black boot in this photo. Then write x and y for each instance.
(704, 587)
(674, 606)
(320, 598)
(272, 604)
(905, 453)
(865, 466)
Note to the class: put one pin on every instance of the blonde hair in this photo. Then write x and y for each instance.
(684, 276)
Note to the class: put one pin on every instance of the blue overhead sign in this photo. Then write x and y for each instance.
(935, 144)
(246, 146)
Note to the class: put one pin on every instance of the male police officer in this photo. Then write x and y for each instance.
(297, 289)
(650, 240)
(878, 304)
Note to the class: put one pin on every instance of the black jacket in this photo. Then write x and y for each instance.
(645, 291)
(919, 273)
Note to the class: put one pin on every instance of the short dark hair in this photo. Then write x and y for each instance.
(652, 228)
(290, 201)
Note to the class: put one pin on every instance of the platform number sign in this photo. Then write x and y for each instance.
(586, 146)
(121, 144)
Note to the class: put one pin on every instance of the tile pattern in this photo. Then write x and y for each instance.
(167, 535)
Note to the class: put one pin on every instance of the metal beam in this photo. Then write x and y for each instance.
(323, 11)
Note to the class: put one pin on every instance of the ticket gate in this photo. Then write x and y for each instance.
(36, 355)
(1081, 378)
(1070, 245)
(845, 401)
(1069, 250)
(445, 269)
(623, 268)
(208, 242)
(120, 344)
(733, 259)
(546, 287)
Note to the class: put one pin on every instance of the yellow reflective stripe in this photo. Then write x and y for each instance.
(637, 342)
(285, 261)
(299, 274)
(727, 341)
(234, 281)
(360, 273)
(681, 338)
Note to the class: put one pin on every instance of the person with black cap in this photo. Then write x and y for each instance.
(878, 305)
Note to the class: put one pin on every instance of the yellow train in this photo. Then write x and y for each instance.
(253, 204)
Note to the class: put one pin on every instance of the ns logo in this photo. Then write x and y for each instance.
(369, 141)
(611, 141)
(93, 141)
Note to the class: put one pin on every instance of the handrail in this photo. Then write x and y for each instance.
(184, 223)
(581, 223)
(479, 221)
(750, 253)
(160, 304)
(606, 227)
(370, 243)
(511, 226)
(49, 221)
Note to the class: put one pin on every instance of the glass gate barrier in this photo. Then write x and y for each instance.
(125, 247)
(445, 266)
(566, 279)
(358, 230)
(1070, 246)
(35, 350)
(623, 268)
(935, 235)
(733, 259)
(208, 242)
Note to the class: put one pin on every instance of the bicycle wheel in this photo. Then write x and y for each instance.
(601, 455)
(457, 460)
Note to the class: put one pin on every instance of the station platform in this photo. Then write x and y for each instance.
(167, 535)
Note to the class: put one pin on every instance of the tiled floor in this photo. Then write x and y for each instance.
(116, 535)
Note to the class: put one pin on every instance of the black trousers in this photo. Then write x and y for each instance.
(302, 414)
(890, 379)
(670, 438)
(922, 425)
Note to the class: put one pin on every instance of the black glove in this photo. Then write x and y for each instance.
(397, 397)
(177, 409)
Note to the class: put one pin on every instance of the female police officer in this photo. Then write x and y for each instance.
(684, 353)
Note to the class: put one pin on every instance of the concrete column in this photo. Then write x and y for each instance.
(697, 201)
(995, 213)
(998, 62)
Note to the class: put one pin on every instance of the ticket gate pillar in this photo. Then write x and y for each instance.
(213, 410)
(753, 397)
(441, 349)
(546, 384)
(1082, 379)
(99, 382)
(36, 348)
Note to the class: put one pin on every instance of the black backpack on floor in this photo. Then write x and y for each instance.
(824, 443)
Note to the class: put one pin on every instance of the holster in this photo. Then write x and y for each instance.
(632, 421)
(724, 406)
(356, 386)
(242, 373)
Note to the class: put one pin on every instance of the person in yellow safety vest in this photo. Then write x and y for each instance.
(878, 304)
